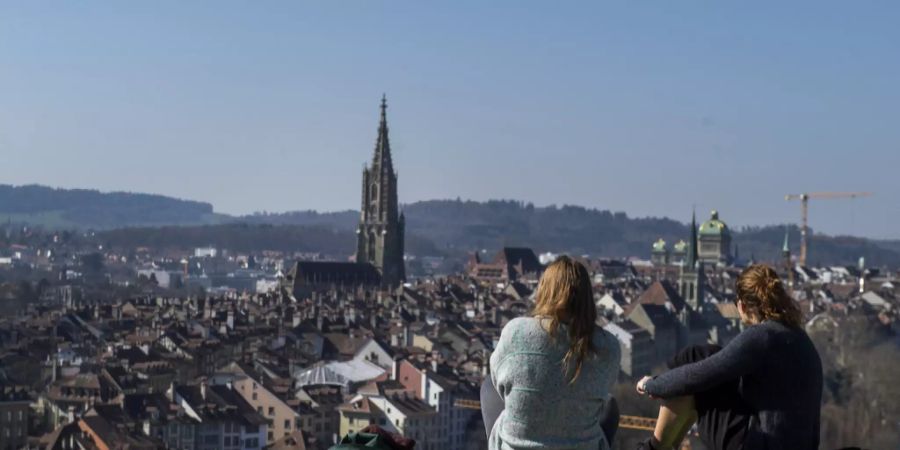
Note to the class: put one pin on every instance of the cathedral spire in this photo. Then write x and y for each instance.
(381, 161)
(381, 227)
(692, 250)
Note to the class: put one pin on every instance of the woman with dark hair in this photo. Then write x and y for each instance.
(761, 391)
(551, 373)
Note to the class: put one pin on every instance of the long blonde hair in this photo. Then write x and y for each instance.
(564, 295)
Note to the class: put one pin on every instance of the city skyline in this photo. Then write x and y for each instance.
(235, 106)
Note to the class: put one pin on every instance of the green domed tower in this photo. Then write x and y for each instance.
(660, 254)
(679, 252)
(715, 241)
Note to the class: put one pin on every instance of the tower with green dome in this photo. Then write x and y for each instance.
(715, 241)
(660, 254)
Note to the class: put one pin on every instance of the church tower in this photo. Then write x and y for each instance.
(691, 280)
(381, 225)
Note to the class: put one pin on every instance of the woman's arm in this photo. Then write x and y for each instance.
(502, 350)
(743, 355)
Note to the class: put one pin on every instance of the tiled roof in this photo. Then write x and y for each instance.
(661, 292)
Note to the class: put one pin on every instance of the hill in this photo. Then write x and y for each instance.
(83, 208)
(246, 237)
(456, 226)
(435, 227)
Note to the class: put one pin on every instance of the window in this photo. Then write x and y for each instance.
(254, 396)
(271, 411)
(251, 443)
(271, 435)
(287, 424)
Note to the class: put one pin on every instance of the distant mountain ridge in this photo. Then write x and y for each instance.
(86, 208)
(440, 227)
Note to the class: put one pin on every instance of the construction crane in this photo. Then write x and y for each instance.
(804, 210)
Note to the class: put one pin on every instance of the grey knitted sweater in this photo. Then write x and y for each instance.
(542, 410)
(780, 378)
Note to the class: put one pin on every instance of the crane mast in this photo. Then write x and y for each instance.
(804, 213)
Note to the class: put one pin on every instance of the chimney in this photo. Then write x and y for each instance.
(395, 369)
(203, 387)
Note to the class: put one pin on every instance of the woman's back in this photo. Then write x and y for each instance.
(786, 389)
(780, 379)
(542, 407)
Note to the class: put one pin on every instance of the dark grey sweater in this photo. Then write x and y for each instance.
(780, 378)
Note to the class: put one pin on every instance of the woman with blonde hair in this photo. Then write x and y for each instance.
(552, 372)
(761, 391)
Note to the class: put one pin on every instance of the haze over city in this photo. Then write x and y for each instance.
(648, 109)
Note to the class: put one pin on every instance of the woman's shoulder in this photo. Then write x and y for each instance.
(525, 323)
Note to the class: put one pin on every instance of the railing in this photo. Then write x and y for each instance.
(631, 422)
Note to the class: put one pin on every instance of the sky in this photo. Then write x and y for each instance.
(651, 108)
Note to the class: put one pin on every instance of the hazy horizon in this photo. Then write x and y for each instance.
(645, 109)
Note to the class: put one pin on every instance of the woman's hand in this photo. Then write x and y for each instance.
(642, 385)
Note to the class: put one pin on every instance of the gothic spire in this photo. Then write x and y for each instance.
(382, 159)
(692, 250)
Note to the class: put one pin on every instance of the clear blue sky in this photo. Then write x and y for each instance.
(641, 107)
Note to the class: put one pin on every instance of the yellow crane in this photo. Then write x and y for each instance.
(804, 211)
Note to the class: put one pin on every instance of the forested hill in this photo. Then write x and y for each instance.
(83, 208)
(445, 227)
(456, 226)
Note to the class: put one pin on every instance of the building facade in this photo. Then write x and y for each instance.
(14, 407)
